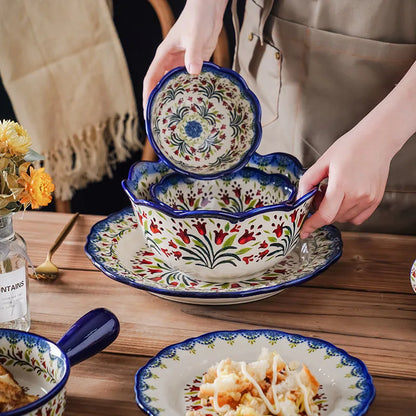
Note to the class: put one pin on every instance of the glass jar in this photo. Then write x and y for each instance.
(14, 293)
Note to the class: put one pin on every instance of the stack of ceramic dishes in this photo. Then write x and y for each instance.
(213, 222)
(117, 246)
(214, 219)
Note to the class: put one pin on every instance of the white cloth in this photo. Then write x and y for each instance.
(63, 67)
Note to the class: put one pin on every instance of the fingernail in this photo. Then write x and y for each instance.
(304, 235)
(193, 69)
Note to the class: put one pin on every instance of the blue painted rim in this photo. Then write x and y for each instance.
(255, 159)
(236, 79)
(166, 209)
(218, 214)
(368, 380)
(277, 179)
(333, 234)
(54, 391)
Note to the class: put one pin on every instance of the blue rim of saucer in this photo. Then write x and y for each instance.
(334, 235)
(365, 398)
(249, 95)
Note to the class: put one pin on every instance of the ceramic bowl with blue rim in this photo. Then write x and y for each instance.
(205, 125)
(219, 247)
(168, 384)
(234, 194)
(42, 367)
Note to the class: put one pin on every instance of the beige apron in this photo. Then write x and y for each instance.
(318, 67)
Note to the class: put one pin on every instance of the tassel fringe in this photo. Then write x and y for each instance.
(91, 154)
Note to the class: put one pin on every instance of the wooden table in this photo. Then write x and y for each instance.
(363, 304)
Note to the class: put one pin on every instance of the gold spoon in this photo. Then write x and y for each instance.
(47, 270)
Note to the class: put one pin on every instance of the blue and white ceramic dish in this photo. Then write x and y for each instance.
(42, 368)
(206, 125)
(219, 247)
(234, 195)
(116, 246)
(168, 384)
(413, 276)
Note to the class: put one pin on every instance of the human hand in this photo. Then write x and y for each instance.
(191, 40)
(357, 170)
(357, 164)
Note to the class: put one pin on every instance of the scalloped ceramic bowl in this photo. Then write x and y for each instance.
(206, 125)
(42, 368)
(220, 247)
(233, 195)
(168, 385)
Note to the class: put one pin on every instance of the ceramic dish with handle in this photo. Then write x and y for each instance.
(42, 367)
(168, 384)
(220, 247)
(206, 125)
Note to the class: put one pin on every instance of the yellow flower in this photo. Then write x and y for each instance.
(38, 188)
(14, 139)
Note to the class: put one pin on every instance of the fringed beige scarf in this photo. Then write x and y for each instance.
(65, 72)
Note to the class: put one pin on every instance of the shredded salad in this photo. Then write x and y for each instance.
(266, 387)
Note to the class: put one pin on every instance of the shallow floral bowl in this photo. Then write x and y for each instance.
(42, 367)
(220, 247)
(168, 385)
(205, 125)
(234, 194)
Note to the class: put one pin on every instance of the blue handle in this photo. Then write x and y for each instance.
(89, 335)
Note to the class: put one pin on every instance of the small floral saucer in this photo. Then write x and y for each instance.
(206, 125)
(112, 242)
(413, 276)
(168, 384)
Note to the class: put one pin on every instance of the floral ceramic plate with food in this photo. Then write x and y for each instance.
(169, 383)
(205, 125)
(112, 247)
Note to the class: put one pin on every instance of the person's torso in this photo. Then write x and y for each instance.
(318, 67)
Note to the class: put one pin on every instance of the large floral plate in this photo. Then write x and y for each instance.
(116, 246)
(168, 384)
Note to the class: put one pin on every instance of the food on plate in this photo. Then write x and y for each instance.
(12, 396)
(268, 386)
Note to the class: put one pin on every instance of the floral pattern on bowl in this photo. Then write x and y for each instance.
(216, 250)
(142, 175)
(116, 246)
(204, 125)
(235, 193)
(218, 247)
(38, 366)
(346, 387)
